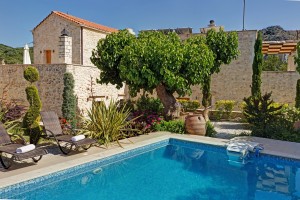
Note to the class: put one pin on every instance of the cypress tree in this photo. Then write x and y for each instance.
(297, 61)
(257, 67)
(69, 100)
(297, 104)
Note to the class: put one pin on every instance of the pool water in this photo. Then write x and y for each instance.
(176, 171)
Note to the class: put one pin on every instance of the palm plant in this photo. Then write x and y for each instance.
(105, 123)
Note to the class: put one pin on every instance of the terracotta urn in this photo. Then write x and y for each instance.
(195, 124)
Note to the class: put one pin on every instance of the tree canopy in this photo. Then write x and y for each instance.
(108, 54)
(154, 60)
(224, 46)
(273, 63)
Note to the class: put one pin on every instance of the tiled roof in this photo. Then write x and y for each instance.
(81, 22)
(279, 47)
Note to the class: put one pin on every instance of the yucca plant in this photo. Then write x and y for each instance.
(105, 123)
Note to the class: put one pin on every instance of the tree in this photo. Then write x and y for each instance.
(32, 116)
(108, 54)
(69, 100)
(297, 61)
(225, 48)
(155, 60)
(257, 67)
(261, 113)
(273, 63)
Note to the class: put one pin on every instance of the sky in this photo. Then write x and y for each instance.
(19, 17)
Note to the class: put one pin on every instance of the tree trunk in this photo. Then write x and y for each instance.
(206, 113)
(206, 99)
(168, 100)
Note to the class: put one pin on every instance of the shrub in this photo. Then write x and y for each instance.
(274, 63)
(173, 126)
(129, 105)
(69, 100)
(145, 120)
(261, 114)
(32, 116)
(31, 74)
(189, 105)
(105, 123)
(13, 112)
(224, 108)
(145, 103)
(210, 130)
(283, 127)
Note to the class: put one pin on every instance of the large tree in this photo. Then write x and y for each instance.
(224, 46)
(154, 61)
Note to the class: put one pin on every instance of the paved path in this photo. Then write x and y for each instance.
(228, 130)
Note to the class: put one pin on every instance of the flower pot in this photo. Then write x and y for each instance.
(195, 124)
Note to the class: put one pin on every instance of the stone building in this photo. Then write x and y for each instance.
(63, 38)
(62, 43)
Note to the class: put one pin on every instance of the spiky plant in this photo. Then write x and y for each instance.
(105, 123)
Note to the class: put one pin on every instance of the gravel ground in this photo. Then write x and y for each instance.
(227, 130)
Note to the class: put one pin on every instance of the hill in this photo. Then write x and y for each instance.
(13, 55)
(277, 33)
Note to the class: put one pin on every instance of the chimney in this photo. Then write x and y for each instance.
(211, 25)
(65, 48)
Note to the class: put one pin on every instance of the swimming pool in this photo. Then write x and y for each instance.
(170, 169)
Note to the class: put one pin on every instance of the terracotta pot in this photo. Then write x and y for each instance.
(195, 124)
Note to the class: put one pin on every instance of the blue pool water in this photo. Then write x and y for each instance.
(172, 169)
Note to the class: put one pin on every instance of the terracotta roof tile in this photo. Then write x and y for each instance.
(82, 22)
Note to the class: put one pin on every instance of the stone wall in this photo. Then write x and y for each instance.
(234, 81)
(90, 39)
(46, 37)
(87, 89)
(51, 86)
(281, 84)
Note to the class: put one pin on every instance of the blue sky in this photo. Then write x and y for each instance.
(18, 17)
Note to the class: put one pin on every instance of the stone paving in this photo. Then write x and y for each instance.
(228, 130)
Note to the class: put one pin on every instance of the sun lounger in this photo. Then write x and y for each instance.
(8, 150)
(64, 141)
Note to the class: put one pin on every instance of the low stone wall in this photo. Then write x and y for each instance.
(51, 85)
(87, 89)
